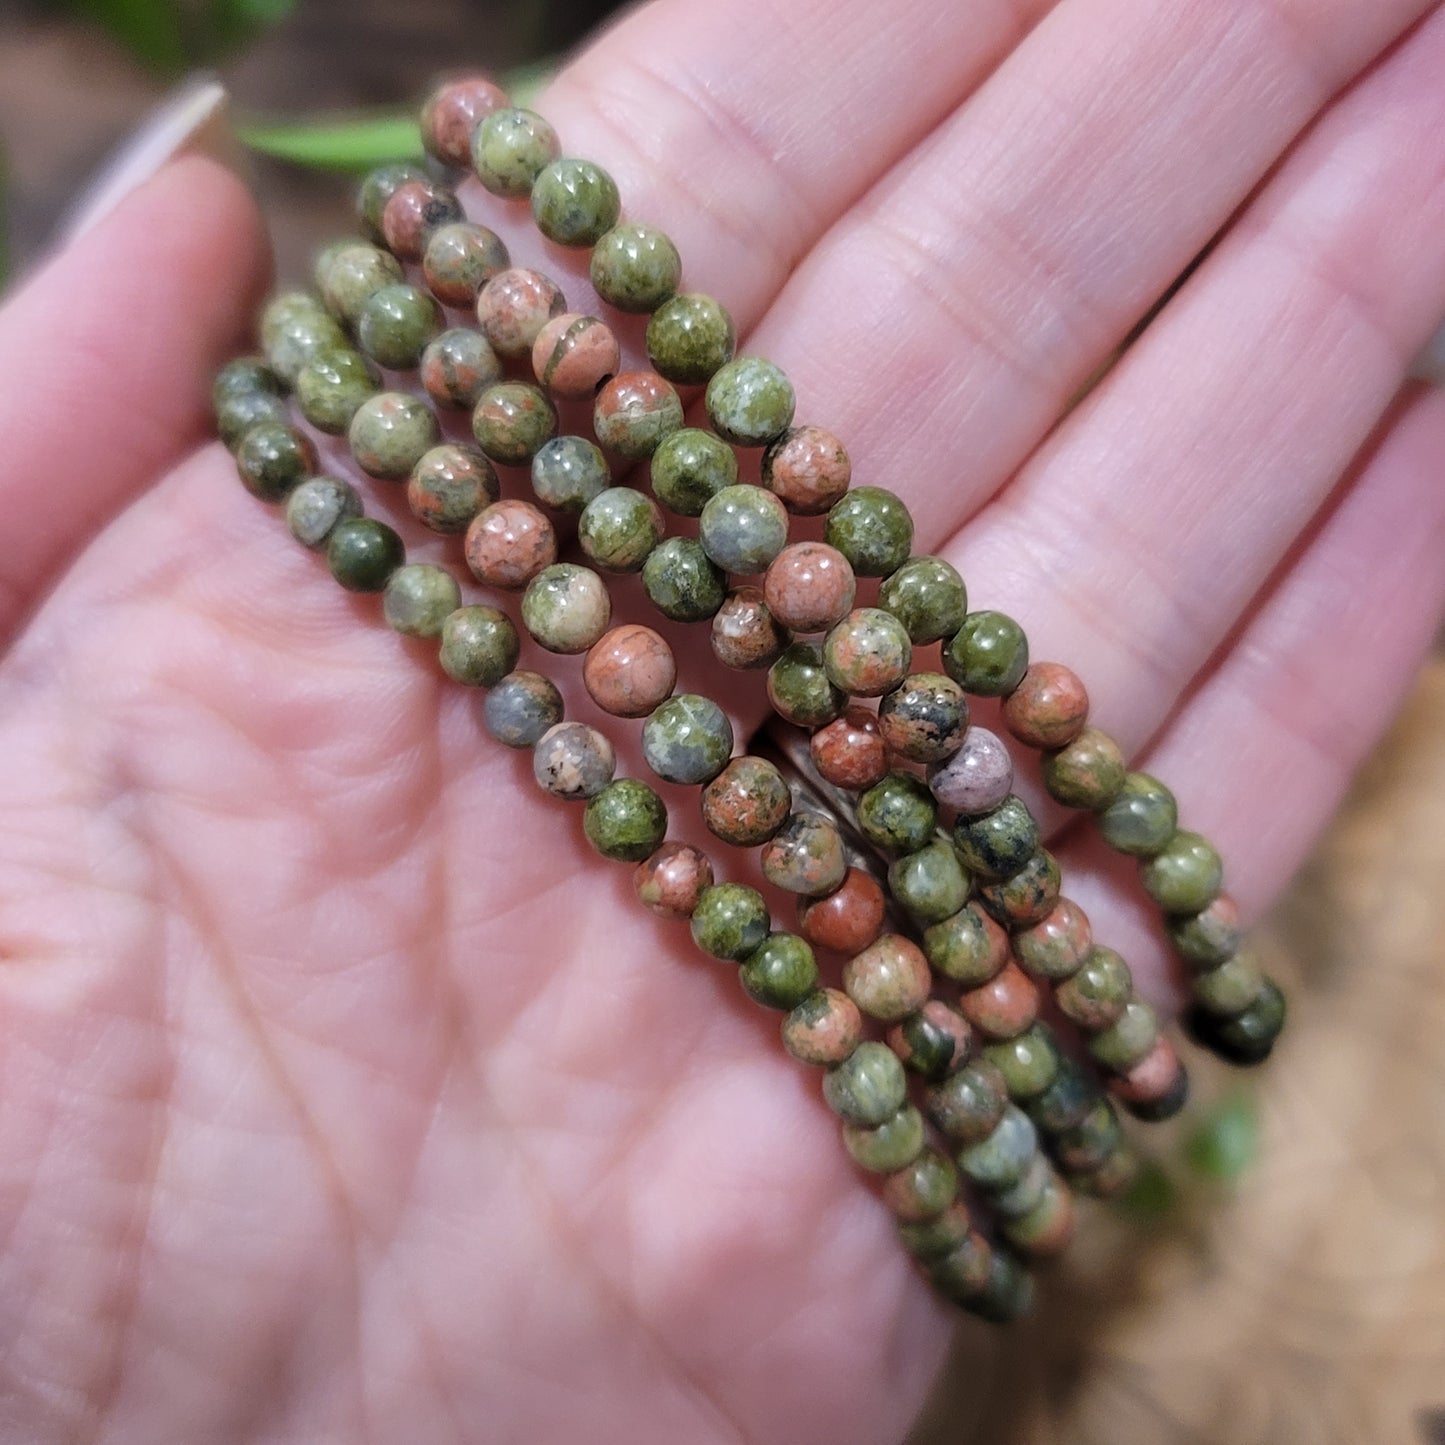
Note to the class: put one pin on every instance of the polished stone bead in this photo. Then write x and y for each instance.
(898, 814)
(928, 597)
(890, 1146)
(1209, 937)
(1003, 1007)
(799, 688)
(888, 980)
(396, 325)
(1009, 1293)
(1229, 988)
(1001, 1159)
(349, 276)
(362, 553)
(573, 761)
(331, 388)
(824, 1028)
(626, 821)
(635, 268)
(1247, 1038)
(809, 587)
(780, 972)
(963, 1273)
(510, 148)
(805, 856)
(619, 528)
(295, 329)
(807, 469)
(630, 671)
(568, 472)
(1029, 1062)
(317, 505)
(566, 607)
(1185, 875)
(687, 739)
(1056, 946)
(1127, 1040)
(1095, 995)
(1090, 1142)
(377, 189)
(745, 634)
(1088, 773)
(1028, 896)
(730, 921)
(512, 421)
(479, 646)
(1113, 1177)
(689, 468)
(575, 202)
(509, 543)
(742, 529)
(999, 843)
(458, 366)
(850, 752)
(390, 434)
(930, 884)
(1045, 1229)
(872, 529)
(967, 1106)
(1014, 1201)
(846, 920)
(415, 210)
(681, 581)
(239, 411)
(968, 946)
(573, 355)
(1157, 1107)
(635, 412)
(670, 882)
(988, 655)
(419, 597)
(272, 458)
(1048, 708)
(1066, 1103)
(868, 1087)
(923, 1188)
(933, 1041)
(934, 1239)
(1142, 819)
(747, 803)
(977, 777)
(1155, 1086)
(449, 486)
(868, 653)
(514, 306)
(452, 112)
(924, 718)
(689, 337)
(460, 259)
(750, 401)
(520, 708)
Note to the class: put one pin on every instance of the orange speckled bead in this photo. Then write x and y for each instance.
(1056, 946)
(889, 979)
(934, 1042)
(1156, 1087)
(1047, 1228)
(824, 1029)
(745, 634)
(1003, 1007)
(671, 881)
(847, 920)
(809, 587)
(453, 111)
(850, 752)
(629, 671)
(508, 543)
(514, 306)
(414, 211)
(1049, 707)
(807, 469)
(573, 355)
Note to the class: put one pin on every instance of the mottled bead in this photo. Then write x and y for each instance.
(823, 1029)
(350, 276)
(930, 884)
(872, 529)
(742, 529)
(850, 752)
(317, 505)
(449, 485)
(635, 412)
(807, 469)
(619, 528)
(1000, 1160)
(1155, 1086)
(868, 653)
(460, 259)
(934, 1239)
(1087, 773)
(924, 718)
(510, 148)
(889, 979)
(272, 458)
(458, 366)
(509, 543)
(626, 821)
(750, 401)
(573, 355)
(1142, 819)
(396, 325)
(331, 388)
(681, 582)
(988, 655)
(1003, 1007)
(1028, 896)
(1029, 1063)
(670, 882)
(514, 306)
(1229, 988)
(1209, 937)
(888, 1147)
(897, 814)
(630, 671)
(966, 1107)
(689, 468)
(747, 803)
(928, 597)
(1095, 994)
(390, 434)
(1128, 1039)
(362, 553)
(730, 921)
(1090, 1142)
(296, 329)
(689, 337)
(1249, 1037)
(635, 268)
(799, 689)
(923, 1188)
(868, 1087)
(479, 646)
(780, 972)
(999, 843)
(687, 739)
(1056, 946)
(568, 472)
(512, 420)
(1185, 875)
(414, 211)
(1048, 708)
(978, 777)
(451, 113)
(1009, 1293)
(848, 919)
(1067, 1101)
(377, 189)
(1113, 1177)
(933, 1041)
(566, 607)
(574, 202)
(418, 598)
(1045, 1229)
(573, 761)
(809, 587)
(520, 708)
(806, 856)
(968, 946)
(238, 411)
(964, 1273)
(745, 634)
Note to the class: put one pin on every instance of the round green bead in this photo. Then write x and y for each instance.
(1128, 1039)
(1249, 1037)
(1185, 875)
(512, 421)
(935, 1239)
(510, 148)
(395, 325)
(390, 434)
(872, 529)
(419, 597)
(889, 1146)
(635, 413)
(687, 739)
(1067, 1101)
(635, 268)
(930, 884)
(1229, 988)
(998, 844)
(1208, 938)
(331, 388)
(238, 412)
(689, 468)
(1001, 1159)
(869, 1087)
(449, 486)
(244, 376)
(967, 1106)
(460, 259)
(285, 310)
(898, 814)
(351, 275)
(1026, 897)
(1014, 1201)
(780, 972)
(730, 921)
(297, 333)
(1028, 1063)
(363, 553)
(742, 528)
(626, 821)
(521, 708)
(922, 1188)
(619, 528)
(566, 607)
(930, 1049)
(750, 401)
(689, 338)
(928, 597)
(575, 203)
(272, 458)
(1095, 996)
(1142, 819)
(799, 689)
(966, 947)
(1088, 773)
(988, 655)
(681, 581)
(479, 646)
(317, 505)
(867, 653)
(568, 472)
(377, 189)
(1091, 1141)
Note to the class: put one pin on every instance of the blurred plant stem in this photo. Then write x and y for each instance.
(170, 36)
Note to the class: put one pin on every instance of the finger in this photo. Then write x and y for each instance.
(106, 357)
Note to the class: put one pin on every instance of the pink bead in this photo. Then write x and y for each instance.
(508, 543)
(514, 306)
(453, 111)
(809, 587)
(573, 355)
(978, 777)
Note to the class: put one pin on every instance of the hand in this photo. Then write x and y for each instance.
(346, 1094)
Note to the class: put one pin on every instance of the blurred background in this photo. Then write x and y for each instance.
(1279, 1276)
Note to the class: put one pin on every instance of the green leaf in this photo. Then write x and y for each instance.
(232, 23)
(1227, 1140)
(1153, 1196)
(151, 30)
(339, 145)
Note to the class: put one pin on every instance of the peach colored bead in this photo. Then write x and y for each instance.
(671, 881)
(1056, 947)
(453, 111)
(629, 671)
(1049, 707)
(414, 211)
(807, 469)
(508, 543)
(809, 587)
(846, 921)
(1151, 1078)
(889, 979)
(573, 355)
(1003, 1007)
(514, 306)
(850, 751)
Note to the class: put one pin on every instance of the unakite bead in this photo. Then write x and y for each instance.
(988, 655)
(1000, 1160)
(806, 856)
(520, 709)
(1028, 1063)
(479, 646)
(1048, 708)
(1128, 1039)
(568, 472)
(933, 1040)
(928, 597)
(295, 327)
(1097, 992)
(1003, 1007)
(1028, 896)
(566, 607)
(458, 366)
(930, 884)
(898, 814)
(317, 505)
(681, 582)
(1066, 1102)
(888, 980)
(1185, 875)
(362, 553)
(449, 486)
(573, 355)
(272, 458)
(460, 259)
(378, 188)
(808, 468)
(968, 947)
(1008, 1294)
(868, 1088)
(1249, 1037)
(626, 821)
(923, 1188)
(414, 211)
(243, 376)
(745, 634)
(512, 421)
(635, 268)
(390, 434)
(924, 718)
(889, 1146)
(331, 388)
(742, 528)
(824, 1028)
(747, 803)
(1013, 1201)
(867, 653)
(689, 468)
(418, 598)
(1229, 988)
(396, 324)
(510, 148)
(932, 1240)
(350, 276)
(573, 761)
(850, 752)
(1056, 946)
(669, 882)
(998, 844)
(967, 1106)
(687, 739)
(1142, 819)
(452, 112)
(509, 543)
(810, 587)
(750, 401)
(780, 972)
(514, 306)
(689, 337)
(1090, 1142)
(872, 529)
(635, 412)
(629, 671)
(730, 921)
(1088, 773)
(799, 688)
(574, 202)
(619, 528)
(238, 412)
(1210, 936)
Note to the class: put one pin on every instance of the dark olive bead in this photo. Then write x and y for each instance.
(689, 468)
(929, 883)
(922, 1189)
(1228, 988)
(933, 1041)
(363, 553)
(963, 1274)
(1126, 1041)
(273, 458)
(479, 646)
(988, 655)
(1066, 1102)
(969, 947)
(1026, 898)
(396, 324)
(1142, 819)
(967, 1106)
(999, 1160)
(681, 582)
(872, 529)
(1095, 996)
(730, 921)
(1009, 1293)
(1090, 1142)
(626, 821)
(868, 1087)
(799, 688)
(510, 148)
(1087, 773)
(1185, 875)
(889, 1146)
(928, 597)
(1248, 1038)
(780, 972)
(932, 1239)
(317, 505)
(635, 268)
(689, 337)
(998, 844)
(238, 413)
(1210, 937)
(575, 203)
(332, 387)
(1029, 1063)
(750, 401)
(899, 814)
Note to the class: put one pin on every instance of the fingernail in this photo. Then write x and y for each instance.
(192, 119)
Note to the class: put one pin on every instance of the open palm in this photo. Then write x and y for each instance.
(343, 1094)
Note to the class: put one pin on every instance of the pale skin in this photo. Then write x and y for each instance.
(346, 1095)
